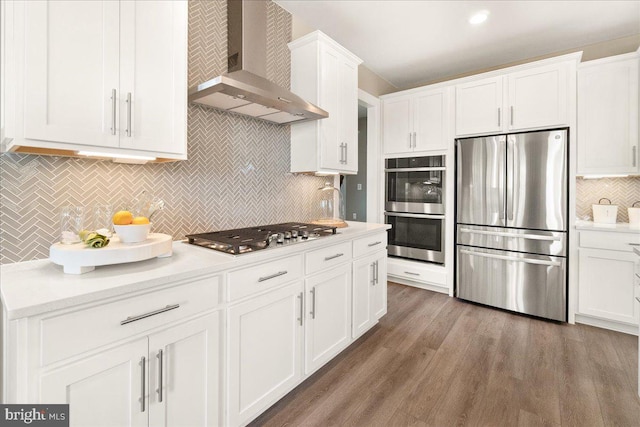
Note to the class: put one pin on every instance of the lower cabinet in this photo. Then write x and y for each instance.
(265, 350)
(166, 379)
(369, 292)
(606, 287)
(328, 325)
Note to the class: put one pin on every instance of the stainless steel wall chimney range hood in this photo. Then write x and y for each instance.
(243, 89)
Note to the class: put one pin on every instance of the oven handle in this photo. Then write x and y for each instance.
(432, 169)
(407, 215)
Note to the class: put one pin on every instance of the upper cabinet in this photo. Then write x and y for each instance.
(102, 76)
(533, 98)
(325, 74)
(608, 116)
(416, 121)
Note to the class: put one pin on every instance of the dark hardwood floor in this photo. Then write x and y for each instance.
(438, 361)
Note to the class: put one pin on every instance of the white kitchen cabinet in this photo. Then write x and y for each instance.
(265, 348)
(105, 389)
(325, 74)
(102, 76)
(533, 98)
(123, 385)
(608, 116)
(369, 292)
(416, 121)
(606, 267)
(328, 326)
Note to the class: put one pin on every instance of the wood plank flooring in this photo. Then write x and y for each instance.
(438, 361)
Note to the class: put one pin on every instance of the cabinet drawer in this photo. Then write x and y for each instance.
(609, 240)
(79, 331)
(264, 276)
(327, 257)
(368, 245)
(417, 271)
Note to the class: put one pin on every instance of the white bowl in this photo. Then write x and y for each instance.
(132, 233)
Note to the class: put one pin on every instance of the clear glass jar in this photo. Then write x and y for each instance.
(330, 206)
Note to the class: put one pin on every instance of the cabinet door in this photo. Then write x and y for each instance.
(605, 285)
(479, 107)
(348, 117)
(538, 98)
(71, 72)
(328, 327)
(363, 289)
(430, 124)
(379, 303)
(397, 125)
(608, 118)
(265, 351)
(331, 152)
(185, 362)
(103, 390)
(153, 95)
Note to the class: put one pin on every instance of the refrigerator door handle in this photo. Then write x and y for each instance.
(511, 174)
(505, 234)
(511, 258)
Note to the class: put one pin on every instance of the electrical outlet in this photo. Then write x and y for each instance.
(359, 187)
(354, 215)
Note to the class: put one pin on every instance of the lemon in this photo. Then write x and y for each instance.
(122, 218)
(140, 220)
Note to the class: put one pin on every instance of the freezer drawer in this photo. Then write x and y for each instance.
(513, 239)
(525, 283)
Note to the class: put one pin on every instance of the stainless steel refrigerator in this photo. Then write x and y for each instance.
(511, 222)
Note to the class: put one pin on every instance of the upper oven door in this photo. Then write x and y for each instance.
(417, 190)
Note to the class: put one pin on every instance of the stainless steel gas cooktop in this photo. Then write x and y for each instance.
(245, 240)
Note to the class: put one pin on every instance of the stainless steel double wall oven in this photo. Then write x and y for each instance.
(415, 207)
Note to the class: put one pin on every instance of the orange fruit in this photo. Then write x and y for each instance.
(122, 218)
(140, 220)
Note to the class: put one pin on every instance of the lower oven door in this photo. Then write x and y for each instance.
(416, 236)
(526, 283)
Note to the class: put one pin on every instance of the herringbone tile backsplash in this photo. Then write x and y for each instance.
(621, 191)
(237, 172)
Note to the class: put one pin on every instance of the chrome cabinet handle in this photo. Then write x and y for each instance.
(113, 111)
(410, 140)
(301, 308)
(512, 115)
(511, 258)
(143, 362)
(373, 244)
(412, 273)
(498, 116)
(328, 258)
(128, 129)
(346, 153)
(160, 360)
(149, 314)
(279, 273)
(415, 139)
(313, 302)
(638, 299)
(373, 274)
(634, 157)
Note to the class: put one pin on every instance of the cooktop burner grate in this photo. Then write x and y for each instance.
(243, 240)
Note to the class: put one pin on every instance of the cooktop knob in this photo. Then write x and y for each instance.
(280, 238)
(287, 235)
(294, 234)
(305, 234)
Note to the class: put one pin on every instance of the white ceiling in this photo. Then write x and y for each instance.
(412, 42)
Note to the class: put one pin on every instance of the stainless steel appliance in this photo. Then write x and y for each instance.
(247, 240)
(511, 215)
(415, 200)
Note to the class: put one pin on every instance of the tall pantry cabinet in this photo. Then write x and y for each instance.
(325, 74)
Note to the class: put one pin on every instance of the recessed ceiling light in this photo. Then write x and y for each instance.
(479, 17)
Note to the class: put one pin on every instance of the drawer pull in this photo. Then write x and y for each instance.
(634, 244)
(328, 258)
(411, 273)
(638, 299)
(279, 273)
(149, 314)
(373, 244)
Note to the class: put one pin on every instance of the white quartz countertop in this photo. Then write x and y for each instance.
(620, 227)
(35, 287)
